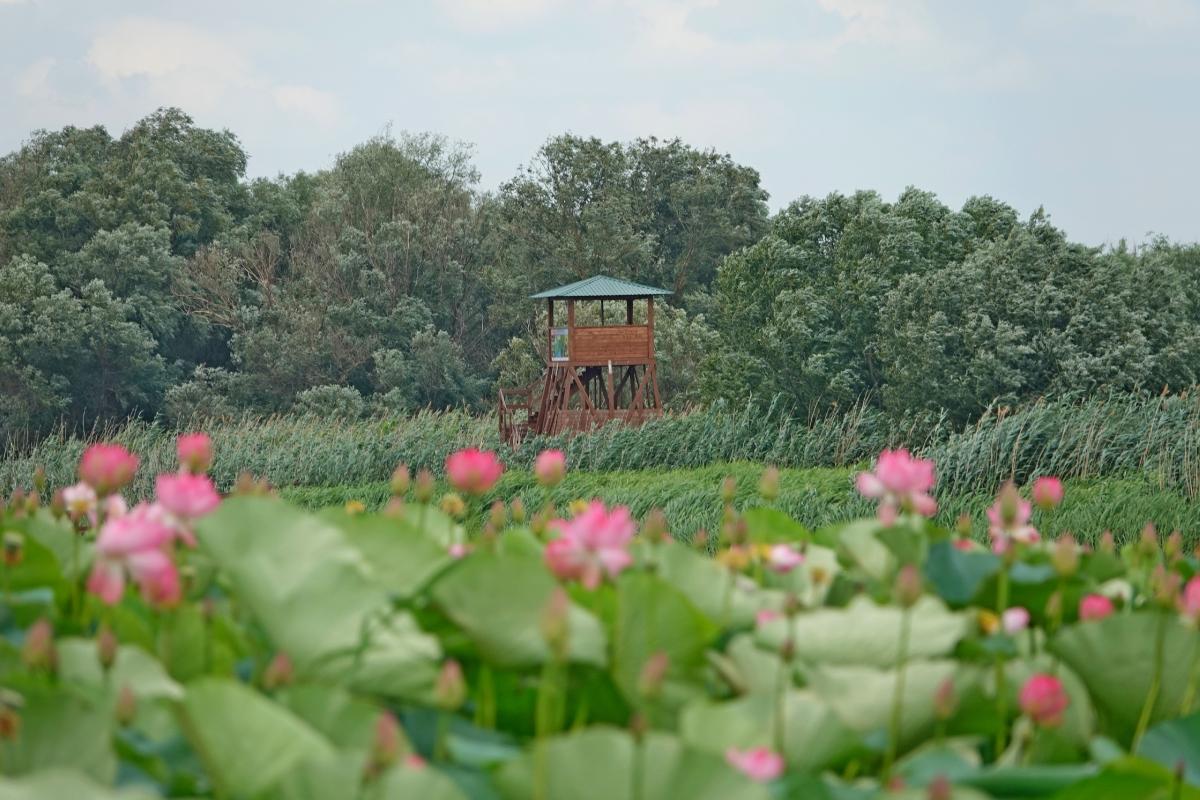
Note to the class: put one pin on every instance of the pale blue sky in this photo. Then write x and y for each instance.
(1088, 107)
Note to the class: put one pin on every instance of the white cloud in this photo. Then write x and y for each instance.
(1145, 13)
(34, 80)
(490, 15)
(179, 63)
(320, 106)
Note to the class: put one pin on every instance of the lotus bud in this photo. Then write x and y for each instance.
(1065, 556)
(1148, 545)
(394, 507)
(787, 650)
(195, 452)
(989, 621)
(1054, 605)
(1107, 543)
(554, 623)
(450, 690)
(423, 486)
(638, 725)
(1173, 548)
(908, 586)
(768, 484)
(355, 507)
(791, 605)
(1044, 700)
(38, 652)
(1164, 585)
(1047, 493)
(106, 647)
(453, 506)
(945, 700)
(654, 526)
(107, 468)
(819, 576)
(540, 524)
(963, 526)
(728, 490)
(126, 708)
(16, 501)
(654, 672)
(58, 504)
(33, 501)
(1189, 602)
(401, 480)
(550, 467)
(279, 672)
(10, 723)
(385, 746)
(517, 509)
(1010, 505)
(39, 479)
(498, 517)
(14, 548)
(741, 531)
(940, 789)
(577, 506)
(700, 539)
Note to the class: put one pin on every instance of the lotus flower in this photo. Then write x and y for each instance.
(195, 451)
(592, 544)
(107, 467)
(473, 471)
(1095, 607)
(550, 467)
(1047, 493)
(760, 764)
(784, 558)
(900, 483)
(1014, 620)
(80, 501)
(1044, 700)
(186, 496)
(1189, 601)
(135, 544)
(1009, 520)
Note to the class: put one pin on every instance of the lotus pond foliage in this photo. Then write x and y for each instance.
(450, 646)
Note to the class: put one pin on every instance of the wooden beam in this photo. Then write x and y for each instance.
(570, 330)
(629, 311)
(650, 325)
(549, 331)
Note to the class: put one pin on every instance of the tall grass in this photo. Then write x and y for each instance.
(1156, 439)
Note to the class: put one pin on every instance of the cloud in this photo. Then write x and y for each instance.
(491, 15)
(179, 63)
(34, 80)
(320, 106)
(1156, 14)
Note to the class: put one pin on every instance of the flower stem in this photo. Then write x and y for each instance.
(1189, 696)
(893, 745)
(1001, 683)
(1155, 684)
(781, 685)
(485, 711)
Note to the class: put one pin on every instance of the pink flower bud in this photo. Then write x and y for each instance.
(1014, 620)
(760, 764)
(784, 558)
(766, 616)
(908, 586)
(38, 651)
(1189, 601)
(279, 672)
(728, 489)
(1044, 700)
(401, 480)
(106, 647)
(550, 467)
(386, 745)
(126, 708)
(945, 700)
(424, 486)
(1047, 493)
(473, 471)
(1094, 607)
(654, 672)
(554, 620)
(768, 484)
(107, 468)
(195, 451)
(450, 690)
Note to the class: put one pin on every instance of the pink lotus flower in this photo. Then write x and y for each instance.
(473, 471)
(1189, 601)
(550, 467)
(1047, 493)
(1014, 620)
(458, 550)
(592, 544)
(186, 496)
(1044, 700)
(900, 483)
(1095, 607)
(760, 764)
(195, 451)
(1009, 520)
(784, 558)
(107, 467)
(80, 501)
(135, 544)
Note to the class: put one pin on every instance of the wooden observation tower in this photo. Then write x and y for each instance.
(595, 373)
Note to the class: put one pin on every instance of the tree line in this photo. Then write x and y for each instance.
(145, 275)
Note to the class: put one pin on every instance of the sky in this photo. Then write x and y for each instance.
(1085, 107)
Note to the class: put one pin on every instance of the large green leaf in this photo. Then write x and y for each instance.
(406, 782)
(247, 742)
(652, 617)
(133, 667)
(709, 586)
(866, 633)
(862, 696)
(60, 784)
(402, 557)
(1129, 779)
(957, 575)
(860, 545)
(315, 595)
(498, 600)
(769, 525)
(61, 728)
(814, 739)
(1115, 659)
(1173, 744)
(598, 764)
(348, 722)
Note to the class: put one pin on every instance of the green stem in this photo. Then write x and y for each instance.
(1001, 682)
(781, 686)
(639, 767)
(727, 603)
(1155, 684)
(440, 750)
(485, 710)
(893, 745)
